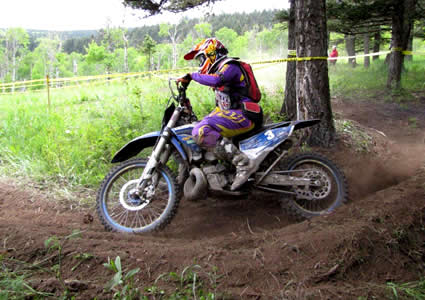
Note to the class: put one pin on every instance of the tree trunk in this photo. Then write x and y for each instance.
(13, 67)
(174, 38)
(149, 62)
(7, 60)
(350, 43)
(75, 67)
(57, 77)
(409, 57)
(2, 75)
(289, 106)
(158, 67)
(174, 62)
(366, 50)
(401, 27)
(312, 81)
(125, 52)
(2, 78)
(377, 44)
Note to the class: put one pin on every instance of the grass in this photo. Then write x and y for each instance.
(122, 283)
(192, 283)
(14, 281)
(16, 278)
(409, 290)
(360, 141)
(74, 141)
(363, 83)
(71, 143)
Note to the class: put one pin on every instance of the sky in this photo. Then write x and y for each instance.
(95, 14)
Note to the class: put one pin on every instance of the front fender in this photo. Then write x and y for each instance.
(136, 145)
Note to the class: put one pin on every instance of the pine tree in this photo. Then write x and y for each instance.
(148, 49)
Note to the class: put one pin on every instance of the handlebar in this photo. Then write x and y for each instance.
(187, 116)
(181, 88)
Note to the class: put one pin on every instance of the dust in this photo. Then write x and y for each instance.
(368, 175)
(392, 150)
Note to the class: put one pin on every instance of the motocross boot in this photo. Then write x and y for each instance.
(244, 166)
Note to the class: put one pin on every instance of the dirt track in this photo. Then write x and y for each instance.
(258, 252)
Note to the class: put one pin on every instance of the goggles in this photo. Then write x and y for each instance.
(201, 59)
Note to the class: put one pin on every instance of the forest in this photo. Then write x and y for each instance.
(30, 55)
(111, 87)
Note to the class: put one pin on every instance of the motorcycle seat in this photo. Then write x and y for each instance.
(257, 129)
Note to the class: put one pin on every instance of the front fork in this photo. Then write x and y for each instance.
(160, 153)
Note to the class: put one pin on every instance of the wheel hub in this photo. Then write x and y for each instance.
(319, 188)
(133, 197)
(130, 198)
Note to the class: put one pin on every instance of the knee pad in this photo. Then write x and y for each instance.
(205, 136)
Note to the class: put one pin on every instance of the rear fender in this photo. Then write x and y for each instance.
(296, 124)
(258, 146)
(136, 145)
(305, 123)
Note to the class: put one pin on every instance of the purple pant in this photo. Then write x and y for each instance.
(226, 123)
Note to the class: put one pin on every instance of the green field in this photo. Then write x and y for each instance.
(72, 142)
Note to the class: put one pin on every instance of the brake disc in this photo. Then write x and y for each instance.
(319, 188)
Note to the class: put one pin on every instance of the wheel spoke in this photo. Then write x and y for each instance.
(123, 216)
(139, 222)
(136, 214)
(144, 221)
(154, 213)
(118, 215)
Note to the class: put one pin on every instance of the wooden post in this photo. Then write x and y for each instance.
(48, 90)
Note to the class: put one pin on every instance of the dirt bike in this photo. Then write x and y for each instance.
(142, 195)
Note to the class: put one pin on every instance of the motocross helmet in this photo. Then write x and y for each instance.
(207, 52)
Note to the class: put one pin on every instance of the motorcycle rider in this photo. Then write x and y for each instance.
(235, 113)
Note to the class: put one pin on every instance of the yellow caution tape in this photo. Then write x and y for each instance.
(96, 79)
(17, 83)
(289, 59)
(407, 52)
(292, 52)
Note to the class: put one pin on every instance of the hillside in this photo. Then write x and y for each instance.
(77, 40)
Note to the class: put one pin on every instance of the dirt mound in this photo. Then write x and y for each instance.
(247, 247)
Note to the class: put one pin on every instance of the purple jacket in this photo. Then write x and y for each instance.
(229, 75)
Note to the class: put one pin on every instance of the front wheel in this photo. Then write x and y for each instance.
(327, 191)
(121, 210)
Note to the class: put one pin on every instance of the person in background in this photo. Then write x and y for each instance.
(333, 55)
(233, 113)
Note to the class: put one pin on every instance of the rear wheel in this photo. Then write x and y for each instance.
(327, 189)
(120, 209)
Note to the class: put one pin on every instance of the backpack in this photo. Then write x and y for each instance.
(251, 89)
